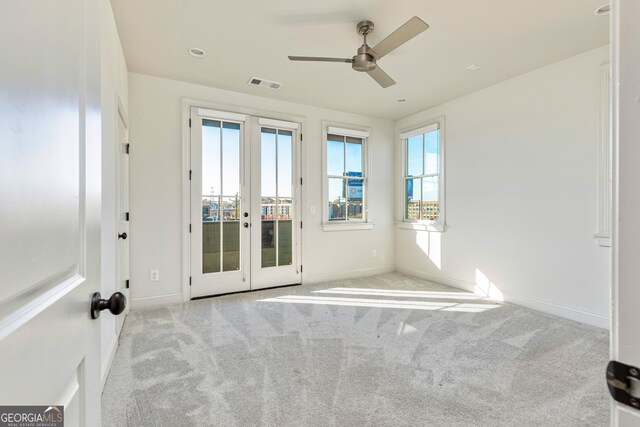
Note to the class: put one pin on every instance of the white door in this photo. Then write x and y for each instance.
(275, 194)
(245, 203)
(219, 203)
(50, 191)
(625, 331)
(123, 215)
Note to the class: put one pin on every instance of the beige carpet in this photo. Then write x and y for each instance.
(389, 350)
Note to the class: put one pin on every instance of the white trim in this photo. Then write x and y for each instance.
(327, 277)
(603, 239)
(281, 124)
(420, 131)
(106, 368)
(358, 133)
(347, 226)
(156, 301)
(603, 236)
(537, 304)
(222, 115)
(421, 226)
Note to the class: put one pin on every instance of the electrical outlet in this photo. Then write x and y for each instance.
(374, 253)
(154, 275)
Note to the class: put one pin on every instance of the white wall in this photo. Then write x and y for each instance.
(521, 193)
(113, 85)
(155, 133)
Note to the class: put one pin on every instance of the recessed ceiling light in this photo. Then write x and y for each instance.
(402, 100)
(473, 67)
(603, 10)
(198, 53)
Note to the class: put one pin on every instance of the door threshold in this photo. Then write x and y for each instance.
(244, 292)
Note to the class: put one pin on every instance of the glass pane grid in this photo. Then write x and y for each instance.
(345, 175)
(422, 177)
(276, 151)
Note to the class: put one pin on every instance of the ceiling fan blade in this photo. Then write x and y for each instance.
(381, 77)
(320, 59)
(406, 32)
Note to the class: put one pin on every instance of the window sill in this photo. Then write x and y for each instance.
(603, 239)
(420, 226)
(347, 226)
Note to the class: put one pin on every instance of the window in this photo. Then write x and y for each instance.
(423, 179)
(346, 179)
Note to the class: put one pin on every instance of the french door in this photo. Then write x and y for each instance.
(245, 192)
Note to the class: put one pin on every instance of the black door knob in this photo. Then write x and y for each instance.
(246, 225)
(122, 236)
(116, 304)
(246, 214)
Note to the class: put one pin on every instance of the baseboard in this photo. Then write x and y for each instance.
(537, 304)
(156, 301)
(352, 274)
(107, 365)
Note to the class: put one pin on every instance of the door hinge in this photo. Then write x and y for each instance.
(189, 122)
(126, 147)
(190, 174)
(189, 228)
(300, 268)
(300, 224)
(301, 137)
(126, 283)
(126, 216)
(619, 378)
(300, 180)
(189, 280)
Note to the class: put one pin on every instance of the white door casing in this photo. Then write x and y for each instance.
(122, 211)
(625, 328)
(50, 187)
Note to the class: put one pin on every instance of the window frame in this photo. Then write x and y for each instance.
(363, 133)
(403, 135)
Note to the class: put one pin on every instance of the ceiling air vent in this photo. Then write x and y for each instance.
(269, 84)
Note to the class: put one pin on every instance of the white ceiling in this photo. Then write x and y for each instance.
(245, 38)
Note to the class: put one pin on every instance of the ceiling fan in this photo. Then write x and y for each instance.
(366, 58)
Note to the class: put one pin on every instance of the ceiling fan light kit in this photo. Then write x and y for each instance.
(366, 59)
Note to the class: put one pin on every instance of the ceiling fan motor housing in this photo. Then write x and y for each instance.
(364, 61)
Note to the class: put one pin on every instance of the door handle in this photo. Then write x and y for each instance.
(246, 214)
(246, 225)
(116, 304)
(122, 236)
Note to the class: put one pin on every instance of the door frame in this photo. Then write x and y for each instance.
(187, 105)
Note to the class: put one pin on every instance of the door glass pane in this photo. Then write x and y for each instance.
(210, 157)
(335, 155)
(285, 162)
(230, 159)
(414, 156)
(337, 201)
(430, 209)
(413, 191)
(355, 198)
(354, 157)
(268, 247)
(230, 245)
(210, 235)
(285, 231)
(432, 152)
(268, 162)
